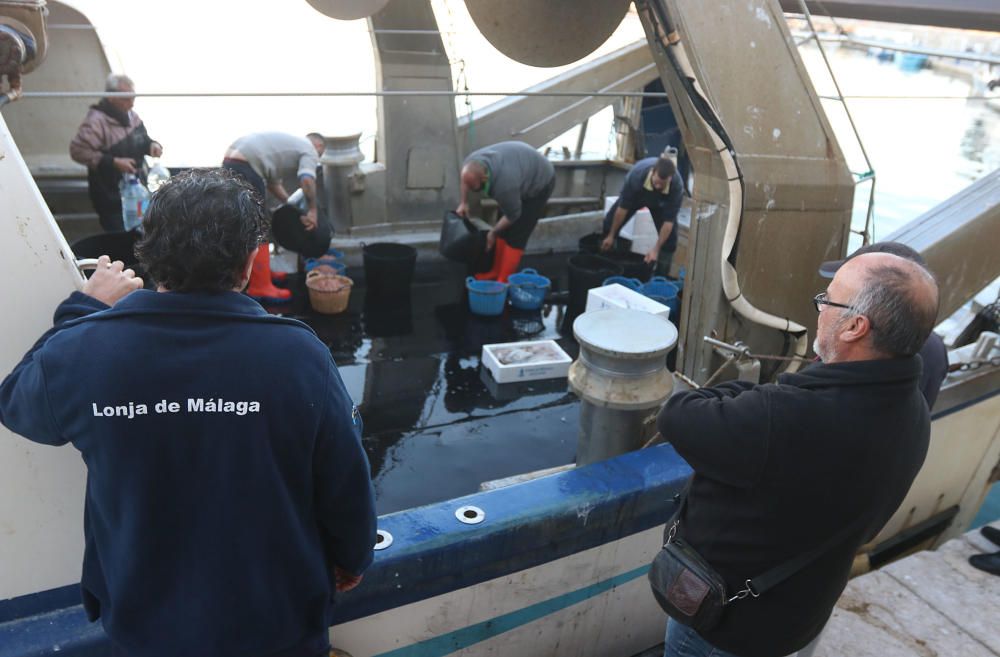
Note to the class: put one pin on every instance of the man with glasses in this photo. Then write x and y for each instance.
(817, 462)
(933, 354)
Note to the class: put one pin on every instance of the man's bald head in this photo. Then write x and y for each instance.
(898, 296)
(474, 175)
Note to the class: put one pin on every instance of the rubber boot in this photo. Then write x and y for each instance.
(498, 250)
(261, 288)
(509, 261)
(279, 276)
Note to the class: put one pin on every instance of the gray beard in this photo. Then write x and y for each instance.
(821, 351)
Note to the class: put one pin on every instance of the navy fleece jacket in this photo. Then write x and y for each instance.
(226, 476)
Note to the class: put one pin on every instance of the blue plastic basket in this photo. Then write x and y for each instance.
(660, 289)
(528, 289)
(659, 286)
(631, 283)
(486, 297)
(681, 274)
(329, 261)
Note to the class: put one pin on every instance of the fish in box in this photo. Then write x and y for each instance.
(525, 361)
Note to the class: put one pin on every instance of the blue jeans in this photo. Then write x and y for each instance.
(682, 641)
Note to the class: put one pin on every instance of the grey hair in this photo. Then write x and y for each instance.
(900, 318)
(116, 81)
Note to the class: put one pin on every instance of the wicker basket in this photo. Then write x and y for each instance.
(328, 293)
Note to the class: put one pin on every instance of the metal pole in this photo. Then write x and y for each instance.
(349, 94)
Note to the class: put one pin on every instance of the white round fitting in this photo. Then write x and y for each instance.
(470, 515)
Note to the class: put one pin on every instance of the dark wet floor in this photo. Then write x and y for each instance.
(435, 426)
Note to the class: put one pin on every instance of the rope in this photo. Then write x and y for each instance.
(870, 214)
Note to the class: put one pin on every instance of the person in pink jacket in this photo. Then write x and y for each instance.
(111, 142)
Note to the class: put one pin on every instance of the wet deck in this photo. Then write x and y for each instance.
(434, 427)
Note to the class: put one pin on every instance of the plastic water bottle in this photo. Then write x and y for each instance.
(134, 198)
(158, 175)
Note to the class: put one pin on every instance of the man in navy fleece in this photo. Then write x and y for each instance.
(223, 511)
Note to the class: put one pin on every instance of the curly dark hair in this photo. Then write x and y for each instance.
(200, 228)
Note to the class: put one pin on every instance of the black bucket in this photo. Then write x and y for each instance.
(586, 271)
(117, 246)
(288, 231)
(389, 267)
(592, 243)
(634, 264)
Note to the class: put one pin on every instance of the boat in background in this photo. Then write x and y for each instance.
(554, 565)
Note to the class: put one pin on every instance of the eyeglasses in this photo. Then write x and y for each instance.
(821, 300)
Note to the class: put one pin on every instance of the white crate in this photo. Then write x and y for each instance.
(525, 361)
(619, 296)
(640, 228)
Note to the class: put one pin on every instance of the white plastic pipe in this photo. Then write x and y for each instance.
(730, 281)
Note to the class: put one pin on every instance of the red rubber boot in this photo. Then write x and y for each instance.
(509, 260)
(261, 288)
(498, 250)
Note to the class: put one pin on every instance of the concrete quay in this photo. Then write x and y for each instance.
(930, 604)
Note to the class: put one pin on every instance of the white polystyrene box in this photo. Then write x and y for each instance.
(640, 228)
(525, 361)
(619, 296)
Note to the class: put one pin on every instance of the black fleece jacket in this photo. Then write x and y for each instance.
(781, 468)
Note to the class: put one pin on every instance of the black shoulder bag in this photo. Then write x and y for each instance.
(692, 593)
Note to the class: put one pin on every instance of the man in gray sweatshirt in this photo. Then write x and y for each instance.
(521, 180)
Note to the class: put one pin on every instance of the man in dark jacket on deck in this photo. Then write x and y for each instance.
(781, 469)
(111, 142)
(655, 184)
(223, 510)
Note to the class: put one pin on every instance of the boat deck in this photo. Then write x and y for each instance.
(434, 427)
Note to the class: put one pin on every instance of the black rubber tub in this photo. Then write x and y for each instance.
(586, 271)
(592, 243)
(634, 264)
(389, 268)
(118, 246)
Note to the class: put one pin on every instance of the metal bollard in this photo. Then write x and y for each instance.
(340, 161)
(621, 378)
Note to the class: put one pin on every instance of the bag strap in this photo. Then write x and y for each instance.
(783, 571)
(756, 586)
